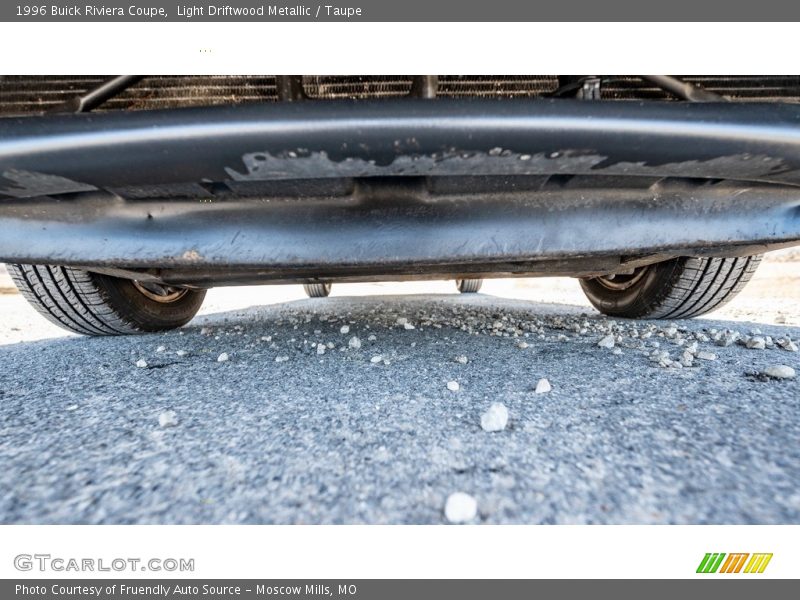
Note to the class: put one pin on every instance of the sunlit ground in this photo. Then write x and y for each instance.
(771, 297)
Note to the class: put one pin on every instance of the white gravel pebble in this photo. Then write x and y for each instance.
(726, 338)
(522, 345)
(460, 508)
(496, 418)
(756, 343)
(376, 359)
(606, 342)
(161, 349)
(372, 337)
(223, 357)
(408, 326)
(181, 353)
(462, 359)
(345, 329)
(780, 372)
(659, 356)
(280, 359)
(453, 386)
(320, 349)
(354, 343)
(168, 419)
(703, 355)
(787, 344)
(543, 386)
(141, 363)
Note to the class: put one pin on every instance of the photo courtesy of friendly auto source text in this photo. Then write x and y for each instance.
(352, 331)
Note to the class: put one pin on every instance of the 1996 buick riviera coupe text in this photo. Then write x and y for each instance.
(123, 199)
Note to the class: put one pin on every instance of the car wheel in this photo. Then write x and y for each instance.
(469, 286)
(95, 304)
(317, 290)
(678, 288)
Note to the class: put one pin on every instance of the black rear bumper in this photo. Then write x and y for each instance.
(402, 188)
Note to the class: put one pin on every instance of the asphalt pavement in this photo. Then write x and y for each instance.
(276, 414)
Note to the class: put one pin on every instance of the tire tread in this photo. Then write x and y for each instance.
(72, 299)
(694, 286)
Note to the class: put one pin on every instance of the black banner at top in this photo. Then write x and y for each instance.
(398, 11)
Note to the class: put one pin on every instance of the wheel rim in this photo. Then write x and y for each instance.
(622, 281)
(164, 294)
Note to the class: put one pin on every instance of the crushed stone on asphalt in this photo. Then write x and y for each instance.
(780, 372)
(495, 418)
(460, 508)
(251, 435)
(168, 419)
(606, 342)
(542, 386)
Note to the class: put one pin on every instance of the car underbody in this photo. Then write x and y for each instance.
(191, 183)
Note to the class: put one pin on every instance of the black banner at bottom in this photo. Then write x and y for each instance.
(392, 589)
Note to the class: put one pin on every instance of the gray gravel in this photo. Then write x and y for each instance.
(300, 425)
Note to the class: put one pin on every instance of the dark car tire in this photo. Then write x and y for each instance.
(317, 290)
(675, 289)
(94, 304)
(469, 286)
